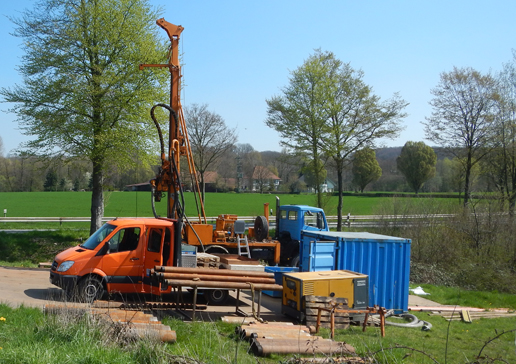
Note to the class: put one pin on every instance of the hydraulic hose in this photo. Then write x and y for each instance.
(413, 321)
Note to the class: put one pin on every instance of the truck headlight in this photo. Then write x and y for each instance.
(65, 266)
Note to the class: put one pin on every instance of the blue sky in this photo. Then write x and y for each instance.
(237, 54)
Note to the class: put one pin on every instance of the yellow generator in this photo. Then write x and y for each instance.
(335, 284)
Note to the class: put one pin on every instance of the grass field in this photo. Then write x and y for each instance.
(125, 204)
(131, 204)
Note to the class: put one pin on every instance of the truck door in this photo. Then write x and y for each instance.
(157, 252)
(122, 264)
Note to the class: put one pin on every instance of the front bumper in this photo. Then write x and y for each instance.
(65, 282)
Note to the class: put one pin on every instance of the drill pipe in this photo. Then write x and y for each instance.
(220, 278)
(283, 326)
(226, 272)
(262, 347)
(163, 334)
(263, 331)
(222, 285)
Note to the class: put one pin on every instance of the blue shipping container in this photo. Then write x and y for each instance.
(385, 259)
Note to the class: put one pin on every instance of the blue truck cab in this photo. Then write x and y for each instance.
(291, 220)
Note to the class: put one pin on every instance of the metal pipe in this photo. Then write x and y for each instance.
(222, 285)
(226, 272)
(221, 278)
(262, 347)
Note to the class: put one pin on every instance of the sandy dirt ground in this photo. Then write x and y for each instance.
(31, 287)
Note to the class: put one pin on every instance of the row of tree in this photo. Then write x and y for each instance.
(327, 112)
(84, 100)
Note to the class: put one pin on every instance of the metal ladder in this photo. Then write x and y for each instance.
(242, 242)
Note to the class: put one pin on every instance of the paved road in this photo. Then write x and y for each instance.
(29, 287)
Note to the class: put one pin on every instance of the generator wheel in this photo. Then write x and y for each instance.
(261, 228)
(216, 297)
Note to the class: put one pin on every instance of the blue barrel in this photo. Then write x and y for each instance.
(278, 277)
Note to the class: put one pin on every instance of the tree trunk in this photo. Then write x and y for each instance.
(97, 196)
(203, 187)
(467, 177)
(340, 187)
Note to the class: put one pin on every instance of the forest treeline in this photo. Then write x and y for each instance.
(25, 173)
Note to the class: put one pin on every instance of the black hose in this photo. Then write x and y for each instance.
(161, 142)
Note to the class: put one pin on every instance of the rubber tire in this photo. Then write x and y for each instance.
(261, 228)
(91, 289)
(216, 297)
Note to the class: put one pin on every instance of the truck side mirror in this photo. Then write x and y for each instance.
(104, 250)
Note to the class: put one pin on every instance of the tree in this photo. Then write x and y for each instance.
(50, 181)
(462, 119)
(314, 175)
(330, 111)
(209, 137)
(299, 114)
(83, 94)
(500, 165)
(365, 168)
(417, 163)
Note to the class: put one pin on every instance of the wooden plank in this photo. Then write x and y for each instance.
(465, 316)
(315, 306)
(324, 299)
(205, 257)
(314, 312)
(237, 259)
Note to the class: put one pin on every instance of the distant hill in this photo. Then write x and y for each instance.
(392, 153)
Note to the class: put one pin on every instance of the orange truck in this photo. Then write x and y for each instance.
(116, 258)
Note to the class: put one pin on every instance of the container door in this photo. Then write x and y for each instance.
(123, 263)
(317, 255)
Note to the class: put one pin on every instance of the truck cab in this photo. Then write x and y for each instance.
(117, 258)
(291, 220)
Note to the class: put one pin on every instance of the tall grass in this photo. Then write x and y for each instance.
(472, 248)
(27, 336)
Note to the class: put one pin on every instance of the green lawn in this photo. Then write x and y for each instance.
(130, 204)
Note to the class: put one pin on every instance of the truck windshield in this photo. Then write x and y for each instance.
(314, 219)
(97, 237)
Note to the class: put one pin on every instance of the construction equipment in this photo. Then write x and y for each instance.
(121, 255)
(335, 284)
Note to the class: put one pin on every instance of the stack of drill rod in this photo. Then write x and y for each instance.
(286, 338)
(129, 324)
(216, 278)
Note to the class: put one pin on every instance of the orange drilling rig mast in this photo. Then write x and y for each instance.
(168, 178)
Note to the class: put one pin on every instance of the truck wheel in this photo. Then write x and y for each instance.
(90, 289)
(216, 297)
